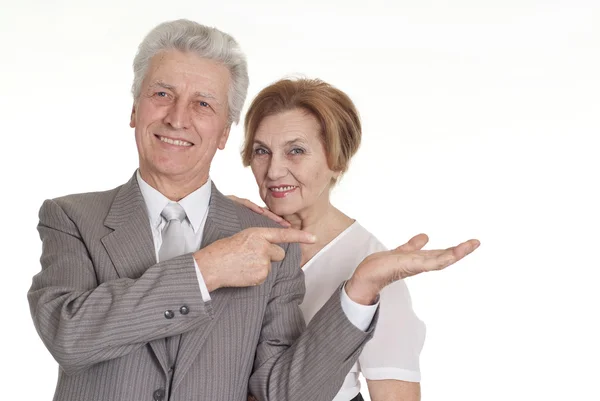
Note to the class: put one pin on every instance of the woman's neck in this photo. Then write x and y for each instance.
(326, 222)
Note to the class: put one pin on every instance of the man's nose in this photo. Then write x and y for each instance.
(178, 115)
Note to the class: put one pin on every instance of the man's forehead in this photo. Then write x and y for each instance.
(185, 71)
(160, 84)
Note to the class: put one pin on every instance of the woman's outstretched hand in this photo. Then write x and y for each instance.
(380, 269)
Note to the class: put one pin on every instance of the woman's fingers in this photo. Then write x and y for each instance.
(260, 210)
(440, 259)
(414, 244)
(418, 261)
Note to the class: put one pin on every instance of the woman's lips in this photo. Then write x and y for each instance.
(282, 191)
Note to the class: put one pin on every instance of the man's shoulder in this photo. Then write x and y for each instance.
(86, 199)
(249, 218)
(84, 206)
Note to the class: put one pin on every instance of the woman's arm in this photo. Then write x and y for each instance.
(394, 390)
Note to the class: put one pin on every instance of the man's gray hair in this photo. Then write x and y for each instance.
(206, 42)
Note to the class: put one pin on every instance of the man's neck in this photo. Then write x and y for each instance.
(175, 187)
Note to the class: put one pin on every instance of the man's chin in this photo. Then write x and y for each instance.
(171, 170)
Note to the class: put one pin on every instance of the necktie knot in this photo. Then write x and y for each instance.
(173, 235)
(173, 211)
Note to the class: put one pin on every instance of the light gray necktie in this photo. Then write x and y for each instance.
(173, 239)
(173, 245)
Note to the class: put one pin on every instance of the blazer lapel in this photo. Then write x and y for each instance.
(131, 246)
(221, 222)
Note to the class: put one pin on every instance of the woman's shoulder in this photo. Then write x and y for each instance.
(365, 241)
(348, 249)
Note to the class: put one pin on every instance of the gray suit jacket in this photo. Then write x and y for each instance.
(100, 304)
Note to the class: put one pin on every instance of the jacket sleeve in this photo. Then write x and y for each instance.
(82, 322)
(297, 363)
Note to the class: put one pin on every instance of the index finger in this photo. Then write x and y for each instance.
(283, 235)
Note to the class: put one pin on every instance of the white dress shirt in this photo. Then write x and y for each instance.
(196, 209)
(393, 353)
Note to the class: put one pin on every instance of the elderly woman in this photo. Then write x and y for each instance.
(299, 138)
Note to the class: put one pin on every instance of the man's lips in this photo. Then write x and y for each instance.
(175, 141)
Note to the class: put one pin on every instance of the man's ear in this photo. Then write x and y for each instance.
(224, 137)
(132, 120)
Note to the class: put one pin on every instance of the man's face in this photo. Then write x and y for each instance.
(180, 117)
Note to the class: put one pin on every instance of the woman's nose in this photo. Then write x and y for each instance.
(277, 168)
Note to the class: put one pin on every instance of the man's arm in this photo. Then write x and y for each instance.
(296, 364)
(315, 365)
(312, 365)
(82, 322)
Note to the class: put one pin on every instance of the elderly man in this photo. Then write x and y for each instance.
(163, 289)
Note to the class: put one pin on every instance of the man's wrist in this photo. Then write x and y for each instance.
(210, 280)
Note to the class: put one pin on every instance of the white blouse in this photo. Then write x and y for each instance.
(393, 352)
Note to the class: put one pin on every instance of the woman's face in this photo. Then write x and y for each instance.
(289, 162)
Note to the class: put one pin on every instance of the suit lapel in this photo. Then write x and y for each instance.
(131, 246)
(221, 222)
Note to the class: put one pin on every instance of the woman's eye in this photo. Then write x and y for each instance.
(260, 151)
(297, 151)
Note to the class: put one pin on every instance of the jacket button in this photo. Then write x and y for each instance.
(184, 310)
(169, 315)
(159, 395)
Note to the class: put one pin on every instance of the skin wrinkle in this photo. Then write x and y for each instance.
(165, 85)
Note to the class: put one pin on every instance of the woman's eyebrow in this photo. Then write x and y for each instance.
(261, 143)
(295, 140)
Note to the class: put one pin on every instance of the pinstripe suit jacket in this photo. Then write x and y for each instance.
(99, 306)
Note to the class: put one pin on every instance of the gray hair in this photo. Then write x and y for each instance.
(206, 42)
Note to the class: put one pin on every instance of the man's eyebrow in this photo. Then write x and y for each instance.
(163, 85)
(207, 96)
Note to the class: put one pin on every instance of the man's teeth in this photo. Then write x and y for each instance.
(283, 189)
(174, 141)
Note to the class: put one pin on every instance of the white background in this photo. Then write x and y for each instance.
(480, 120)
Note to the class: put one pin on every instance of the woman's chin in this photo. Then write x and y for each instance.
(281, 210)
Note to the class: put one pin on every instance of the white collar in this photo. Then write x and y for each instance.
(195, 204)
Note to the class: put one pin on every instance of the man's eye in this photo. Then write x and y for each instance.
(203, 104)
(161, 94)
